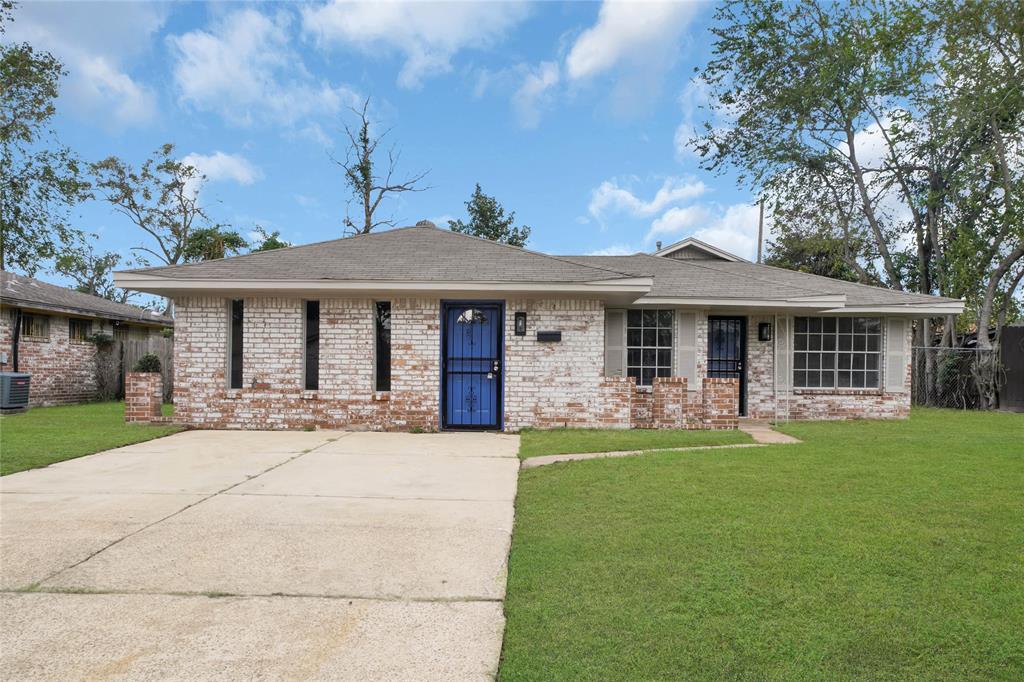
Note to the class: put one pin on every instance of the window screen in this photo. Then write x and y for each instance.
(79, 330)
(831, 352)
(37, 326)
(648, 345)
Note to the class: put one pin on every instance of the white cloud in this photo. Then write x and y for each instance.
(428, 34)
(677, 220)
(610, 196)
(732, 228)
(244, 68)
(96, 43)
(535, 93)
(692, 98)
(640, 40)
(221, 166)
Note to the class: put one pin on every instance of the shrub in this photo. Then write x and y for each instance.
(102, 341)
(148, 363)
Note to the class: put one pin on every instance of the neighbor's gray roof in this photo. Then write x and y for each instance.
(408, 254)
(744, 280)
(27, 292)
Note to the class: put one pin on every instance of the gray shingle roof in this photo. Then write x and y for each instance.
(32, 293)
(721, 279)
(430, 254)
(408, 254)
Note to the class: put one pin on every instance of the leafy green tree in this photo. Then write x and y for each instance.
(92, 273)
(39, 178)
(487, 219)
(268, 241)
(823, 256)
(161, 198)
(896, 127)
(212, 243)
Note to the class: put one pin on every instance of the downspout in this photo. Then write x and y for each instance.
(16, 338)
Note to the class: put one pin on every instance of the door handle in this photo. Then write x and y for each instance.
(496, 367)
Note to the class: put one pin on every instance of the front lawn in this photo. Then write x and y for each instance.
(44, 435)
(533, 443)
(874, 550)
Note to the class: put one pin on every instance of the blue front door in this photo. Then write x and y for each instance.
(472, 354)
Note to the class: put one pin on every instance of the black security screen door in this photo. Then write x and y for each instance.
(471, 384)
(727, 352)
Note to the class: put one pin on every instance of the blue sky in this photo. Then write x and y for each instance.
(572, 114)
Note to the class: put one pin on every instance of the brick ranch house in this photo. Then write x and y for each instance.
(421, 327)
(45, 331)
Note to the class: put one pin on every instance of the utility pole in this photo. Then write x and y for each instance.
(760, 229)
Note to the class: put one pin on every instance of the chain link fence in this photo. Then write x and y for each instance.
(944, 377)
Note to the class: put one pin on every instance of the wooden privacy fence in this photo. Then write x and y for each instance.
(115, 361)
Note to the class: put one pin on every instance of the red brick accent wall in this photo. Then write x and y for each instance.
(143, 396)
(641, 412)
(720, 401)
(273, 394)
(63, 371)
(674, 406)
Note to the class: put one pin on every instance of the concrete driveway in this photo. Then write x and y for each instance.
(260, 555)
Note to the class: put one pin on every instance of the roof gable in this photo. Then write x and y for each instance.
(692, 248)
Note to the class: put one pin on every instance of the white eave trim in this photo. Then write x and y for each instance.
(157, 285)
(812, 302)
(908, 309)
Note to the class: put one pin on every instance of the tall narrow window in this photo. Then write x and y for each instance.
(235, 365)
(312, 345)
(383, 364)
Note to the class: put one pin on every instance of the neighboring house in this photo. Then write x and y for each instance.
(45, 331)
(425, 328)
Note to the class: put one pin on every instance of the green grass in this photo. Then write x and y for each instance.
(44, 435)
(533, 443)
(872, 551)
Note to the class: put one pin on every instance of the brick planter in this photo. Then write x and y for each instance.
(143, 396)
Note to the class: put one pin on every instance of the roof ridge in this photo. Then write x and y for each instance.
(697, 263)
(257, 253)
(377, 234)
(561, 259)
(858, 284)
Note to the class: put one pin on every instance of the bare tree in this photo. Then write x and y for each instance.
(369, 188)
(161, 198)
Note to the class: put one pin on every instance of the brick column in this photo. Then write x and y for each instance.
(143, 396)
(721, 403)
(670, 403)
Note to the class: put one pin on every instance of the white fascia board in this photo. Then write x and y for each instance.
(905, 309)
(811, 302)
(164, 285)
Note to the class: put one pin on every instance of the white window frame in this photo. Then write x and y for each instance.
(818, 351)
(660, 369)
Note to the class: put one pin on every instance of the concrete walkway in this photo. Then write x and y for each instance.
(761, 431)
(257, 555)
